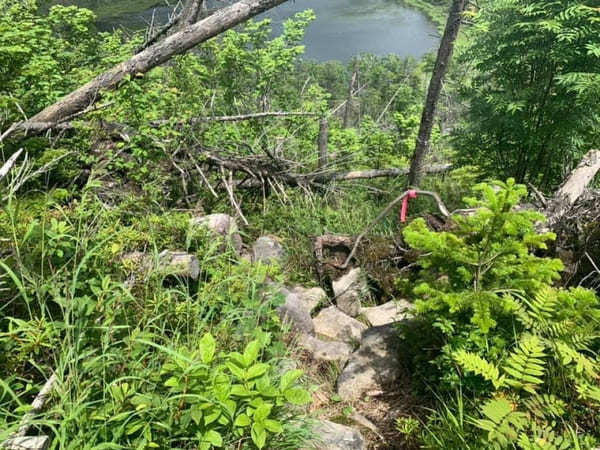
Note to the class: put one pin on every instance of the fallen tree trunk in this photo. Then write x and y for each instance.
(573, 187)
(379, 173)
(146, 60)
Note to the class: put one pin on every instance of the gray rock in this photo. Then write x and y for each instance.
(168, 263)
(179, 264)
(221, 225)
(26, 443)
(387, 313)
(268, 250)
(334, 324)
(294, 312)
(374, 365)
(310, 297)
(333, 436)
(350, 290)
(325, 350)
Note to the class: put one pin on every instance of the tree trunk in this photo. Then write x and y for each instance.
(192, 12)
(348, 108)
(323, 136)
(149, 58)
(433, 92)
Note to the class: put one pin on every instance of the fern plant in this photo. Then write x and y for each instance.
(525, 351)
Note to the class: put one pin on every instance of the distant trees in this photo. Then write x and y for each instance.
(534, 99)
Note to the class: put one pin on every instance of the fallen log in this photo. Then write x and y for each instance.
(572, 188)
(144, 61)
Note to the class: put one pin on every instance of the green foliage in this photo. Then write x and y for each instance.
(532, 107)
(525, 352)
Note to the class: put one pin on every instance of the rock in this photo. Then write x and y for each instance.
(349, 290)
(325, 350)
(333, 436)
(387, 313)
(310, 297)
(334, 324)
(268, 250)
(179, 264)
(26, 443)
(221, 225)
(374, 365)
(294, 311)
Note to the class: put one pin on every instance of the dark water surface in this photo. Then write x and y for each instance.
(343, 28)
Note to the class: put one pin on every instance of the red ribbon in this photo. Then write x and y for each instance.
(411, 194)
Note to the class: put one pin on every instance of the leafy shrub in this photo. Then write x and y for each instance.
(524, 351)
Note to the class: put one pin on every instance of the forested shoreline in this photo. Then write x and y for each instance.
(207, 241)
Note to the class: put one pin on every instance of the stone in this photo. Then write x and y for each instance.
(375, 364)
(325, 350)
(268, 250)
(311, 297)
(179, 264)
(334, 324)
(333, 436)
(222, 225)
(350, 290)
(26, 443)
(387, 313)
(294, 312)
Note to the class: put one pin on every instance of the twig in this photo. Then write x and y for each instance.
(10, 163)
(231, 196)
(36, 406)
(385, 211)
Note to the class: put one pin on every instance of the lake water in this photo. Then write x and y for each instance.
(343, 28)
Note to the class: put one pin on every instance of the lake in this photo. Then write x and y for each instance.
(343, 28)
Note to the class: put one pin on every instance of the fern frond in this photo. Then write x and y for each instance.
(570, 356)
(502, 423)
(525, 365)
(544, 406)
(471, 362)
(544, 438)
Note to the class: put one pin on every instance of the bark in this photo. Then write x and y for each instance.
(323, 136)
(192, 11)
(433, 92)
(348, 108)
(379, 173)
(573, 187)
(149, 58)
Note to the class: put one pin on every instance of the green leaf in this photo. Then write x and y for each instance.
(259, 435)
(256, 370)
(214, 438)
(242, 421)
(273, 426)
(262, 412)
(289, 378)
(207, 348)
(251, 352)
(297, 396)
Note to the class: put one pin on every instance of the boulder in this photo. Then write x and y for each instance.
(350, 290)
(334, 324)
(333, 436)
(325, 350)
(268, 250)
(311, 297)
(294, 312)
(387, 313)
(221, 225)
(375, 364)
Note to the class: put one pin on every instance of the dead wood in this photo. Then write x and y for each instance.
(146, 60)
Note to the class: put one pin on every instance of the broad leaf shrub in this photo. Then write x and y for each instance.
(523, 353)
